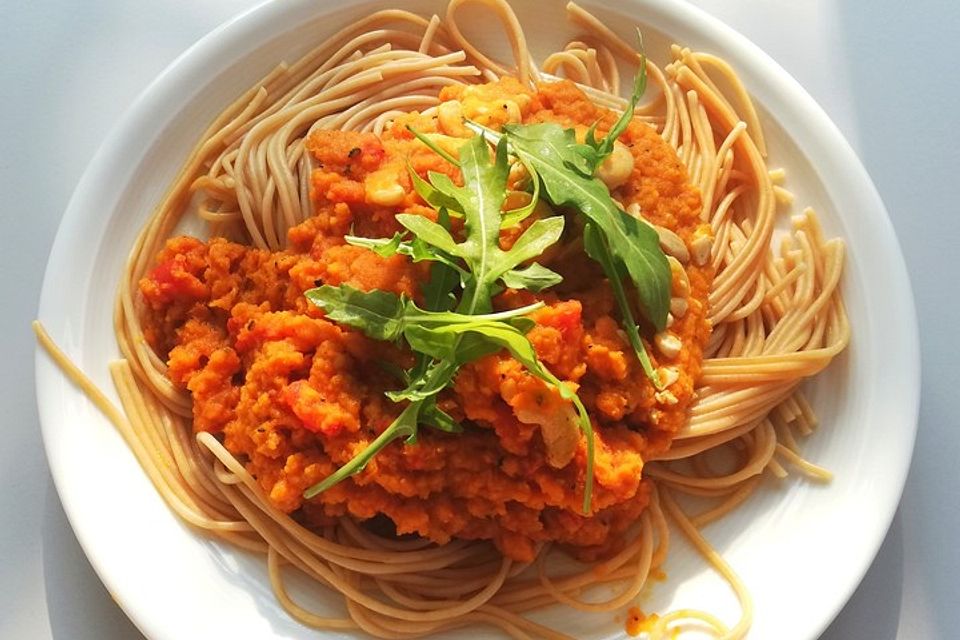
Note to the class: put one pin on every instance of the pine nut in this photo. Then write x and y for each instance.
(617, 167)
(672, 244)
(702, 245)
(667, 376)
(665, 397)
(668, 344)
(450, 119)
(678, 307)
(682, 288)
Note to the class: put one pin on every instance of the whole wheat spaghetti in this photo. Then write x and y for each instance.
(773, 307)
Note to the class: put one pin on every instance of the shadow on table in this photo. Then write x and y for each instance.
(874, 609)
(902, 56)
(80, 608)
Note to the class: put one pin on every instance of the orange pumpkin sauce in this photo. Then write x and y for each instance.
(295, 396)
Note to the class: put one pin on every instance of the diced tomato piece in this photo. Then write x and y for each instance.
(373, 153)
(171, 280)
(313, 410)
(563, 316)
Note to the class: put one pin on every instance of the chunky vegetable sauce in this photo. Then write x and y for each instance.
(295, 396)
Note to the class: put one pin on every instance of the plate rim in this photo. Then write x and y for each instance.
(220, 37)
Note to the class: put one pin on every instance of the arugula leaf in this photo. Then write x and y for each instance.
(433, 146)
(437, 296)
(379, 313)
(417, 249)
(445, 341)
(430, 232)
(384, 247)
(534, 278)
(445, 345)
(514, 217)
(438, 291)
(433, 416)
(567, 169)
(632, 243)
(480, 199)
(404, 426)
(534, 241)
(386, 316)
(605, 147)
(596, 248)
(432, 195)
(436, 377)
(619, 242)
(445, 185)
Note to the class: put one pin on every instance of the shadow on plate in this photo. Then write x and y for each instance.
(874, 609)
(79, 606)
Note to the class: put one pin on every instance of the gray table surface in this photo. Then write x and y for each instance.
(885, 72)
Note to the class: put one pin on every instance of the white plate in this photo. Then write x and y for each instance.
(801, 548)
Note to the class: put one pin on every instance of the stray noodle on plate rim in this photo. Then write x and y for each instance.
(776, 315)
